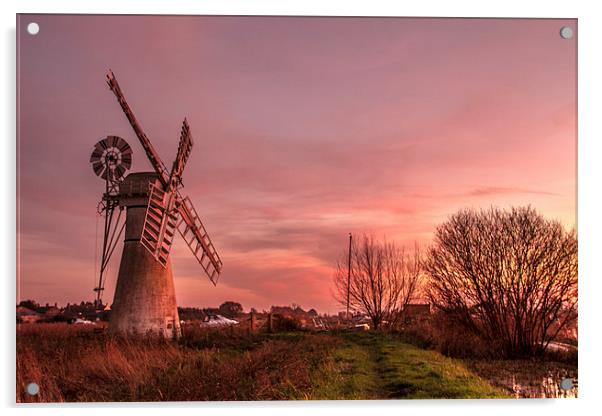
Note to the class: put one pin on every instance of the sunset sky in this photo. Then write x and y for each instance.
(305, 129)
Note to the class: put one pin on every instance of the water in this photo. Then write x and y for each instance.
(548, 387)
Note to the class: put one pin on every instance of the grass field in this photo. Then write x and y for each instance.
(77, 364)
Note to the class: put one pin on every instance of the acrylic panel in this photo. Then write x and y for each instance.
(260, 208)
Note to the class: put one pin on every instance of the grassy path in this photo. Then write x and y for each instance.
(377, 366)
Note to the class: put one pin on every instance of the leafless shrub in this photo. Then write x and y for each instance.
(383, 279)
(510, 277)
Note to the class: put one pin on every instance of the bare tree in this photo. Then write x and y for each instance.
(383, 279)
(508, 276)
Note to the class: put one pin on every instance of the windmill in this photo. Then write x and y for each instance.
(144, 296)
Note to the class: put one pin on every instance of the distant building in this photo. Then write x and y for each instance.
(27, 315)
(416, 312)
(304, 319)
(289, 311)
(49, 312)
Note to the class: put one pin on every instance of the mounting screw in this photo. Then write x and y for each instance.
(32, 389)
(566, 32)
(33, 28)
(566, 384)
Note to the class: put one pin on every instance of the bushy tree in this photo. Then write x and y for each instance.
(30, 304)
(230, 309)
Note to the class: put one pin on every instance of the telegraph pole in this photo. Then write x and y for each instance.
(348, 275)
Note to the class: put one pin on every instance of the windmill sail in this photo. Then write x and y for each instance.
(184, 149)
(152, 154)
(160, 223)
(193, 232)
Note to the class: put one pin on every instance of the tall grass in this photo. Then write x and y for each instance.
(75, 364)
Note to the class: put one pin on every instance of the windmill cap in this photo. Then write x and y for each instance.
(137, 184)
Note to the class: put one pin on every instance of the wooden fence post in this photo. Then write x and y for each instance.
(253, 323)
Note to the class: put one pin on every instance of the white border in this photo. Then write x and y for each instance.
(590, 169)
